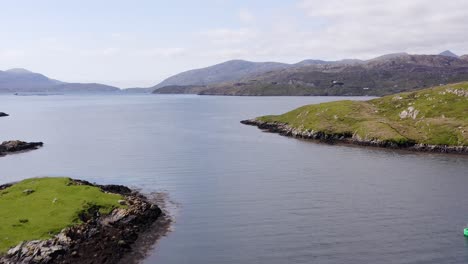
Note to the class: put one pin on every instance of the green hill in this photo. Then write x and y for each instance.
(429, 119)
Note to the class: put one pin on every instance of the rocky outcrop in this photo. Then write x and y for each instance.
(13, 146)
(2, 114)
(100, 239)
(286, 130)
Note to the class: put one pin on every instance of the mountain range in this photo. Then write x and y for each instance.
(383, 75)
(24, 81)
(391, 73)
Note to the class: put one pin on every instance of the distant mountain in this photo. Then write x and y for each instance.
(137, 90)
(234, 70)
(22, 80)
(448, 53)
(180, 89)
(386, 74)
(322, 62)
(223, 72)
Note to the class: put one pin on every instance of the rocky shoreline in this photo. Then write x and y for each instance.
(12, 146)
(100, 238)
(348, 138)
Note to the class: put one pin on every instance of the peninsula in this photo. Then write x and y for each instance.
(62, 220)
(434, 119)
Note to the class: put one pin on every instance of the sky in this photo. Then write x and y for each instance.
(139, 43)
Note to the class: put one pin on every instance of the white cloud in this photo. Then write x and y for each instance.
(106, 52)
(370, 27)
(228, 36)
(9, 54)
(245, 16)
(162, 52)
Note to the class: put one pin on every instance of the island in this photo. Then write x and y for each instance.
(13, 146)
(433, 119)
(63, 220)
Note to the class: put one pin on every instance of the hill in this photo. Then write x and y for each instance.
(223, 72)
(434, 119)
(380, 76)
(391, 73)
(21, 80)
(180, 89)
(449, 54)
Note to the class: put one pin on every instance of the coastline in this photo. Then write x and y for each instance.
(111, 238)
(347, 138)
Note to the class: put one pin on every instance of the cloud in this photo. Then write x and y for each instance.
(162, 52)
(228, 36)
(106, 52)
(12, 54)
(245, 16)
(372, 27)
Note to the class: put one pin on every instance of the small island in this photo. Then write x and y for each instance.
(434, 119)
(62, 220)
(12, 146)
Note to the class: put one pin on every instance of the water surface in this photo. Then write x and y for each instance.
(247, 196)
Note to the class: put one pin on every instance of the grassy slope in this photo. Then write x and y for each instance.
(54, 205)
(442, 117)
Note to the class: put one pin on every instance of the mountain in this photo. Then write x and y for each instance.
(223, 72)
(234, 70)
(180, 89)
(137, 90)
(433, 119)
(448, 53)
(383, 75)
(22, 80)
(322, 62)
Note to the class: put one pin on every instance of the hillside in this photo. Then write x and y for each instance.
(180, 89)
(391, 73)
(429, 119)
(380, 76)
(223, 72)
(21, 80)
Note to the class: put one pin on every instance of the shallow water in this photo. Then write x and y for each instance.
(245, 196)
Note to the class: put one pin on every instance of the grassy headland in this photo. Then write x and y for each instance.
(41, 207)
(435, 116)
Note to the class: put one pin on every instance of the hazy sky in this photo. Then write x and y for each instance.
(139, 43)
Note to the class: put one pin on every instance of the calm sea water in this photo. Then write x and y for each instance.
(245, 196)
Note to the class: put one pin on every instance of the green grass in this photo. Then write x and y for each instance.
(51, 205)
(442, 117)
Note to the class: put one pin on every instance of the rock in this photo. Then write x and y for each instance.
(122, 202)
(28, 191)
(16, 145)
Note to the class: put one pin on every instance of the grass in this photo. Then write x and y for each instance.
(436, 116)
(39, 208)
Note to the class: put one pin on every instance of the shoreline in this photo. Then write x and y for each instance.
(123, 236)
(284, 129)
